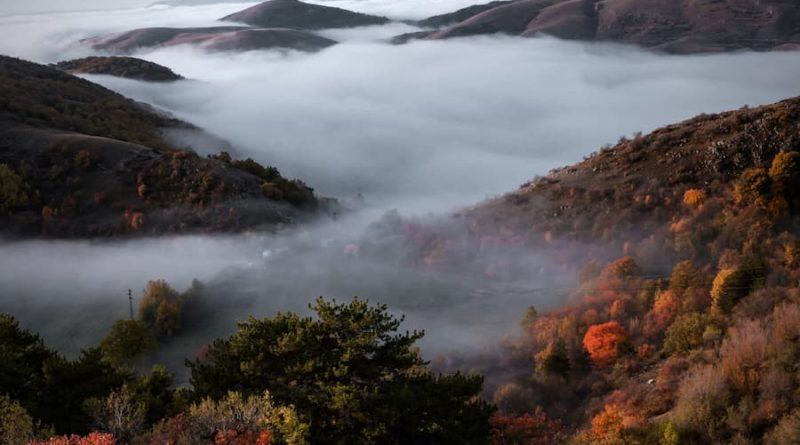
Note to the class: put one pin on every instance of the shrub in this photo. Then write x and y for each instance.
(16, 426)
(685, 333)
(85, 159)
(117, 414)
(786, 431)
(525, 429)
(685, 275)
(604, 342)
(702, 399)
(624, 268)
(743, 353)
(694, 198)
(94, 438)
(12, 190)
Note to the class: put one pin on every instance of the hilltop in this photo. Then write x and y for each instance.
(298, 15)
(78, 160)
(127, 67)
(671, 26)
(219, 38)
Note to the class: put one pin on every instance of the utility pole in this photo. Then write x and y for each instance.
(130, 303)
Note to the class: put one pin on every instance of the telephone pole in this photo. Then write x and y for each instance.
(130, 303)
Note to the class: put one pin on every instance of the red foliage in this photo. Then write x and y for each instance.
(602, 341)
(233, 437)
(91, 439)
(527, 429)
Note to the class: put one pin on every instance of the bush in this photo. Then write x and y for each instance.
(117, 414)
(94, 438)
(526, 429)
(753, 186)
(12, 190)
(685, 333)
(694, 198)
(16, 426)
(624, 268)
(786, 431)
(703, 397)
(604, 342)
(743, 354)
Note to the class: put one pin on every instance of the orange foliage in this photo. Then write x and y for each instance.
(91, 439)
(609, 423)
(693, 198)
(602, 341)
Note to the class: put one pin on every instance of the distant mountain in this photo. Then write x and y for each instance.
(78, 160)
(298, 15)
(127, 67)
(674, 26)
(221, 38)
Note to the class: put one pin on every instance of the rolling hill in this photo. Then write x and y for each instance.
(673, 26)
(78, 160)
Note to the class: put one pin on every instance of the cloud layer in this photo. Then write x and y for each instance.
(423, 127)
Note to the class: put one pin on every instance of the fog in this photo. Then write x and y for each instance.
(423, 128)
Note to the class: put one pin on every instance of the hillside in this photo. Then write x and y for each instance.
(298, 15)
(127, 67)
(684, 26)
(77, 160)
(682, 327)
(220, 38)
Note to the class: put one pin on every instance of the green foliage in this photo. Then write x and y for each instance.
(349, 374)
(154, 392)
(12, 190)
(686, 333)
(126, 341)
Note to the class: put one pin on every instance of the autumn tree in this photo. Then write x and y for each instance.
(160, 307)
(604, 342)
(686, 333)
(785, 174)
(553, 359)
(349, 375)
(753, 186)
(118, 414)
(16, 425)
